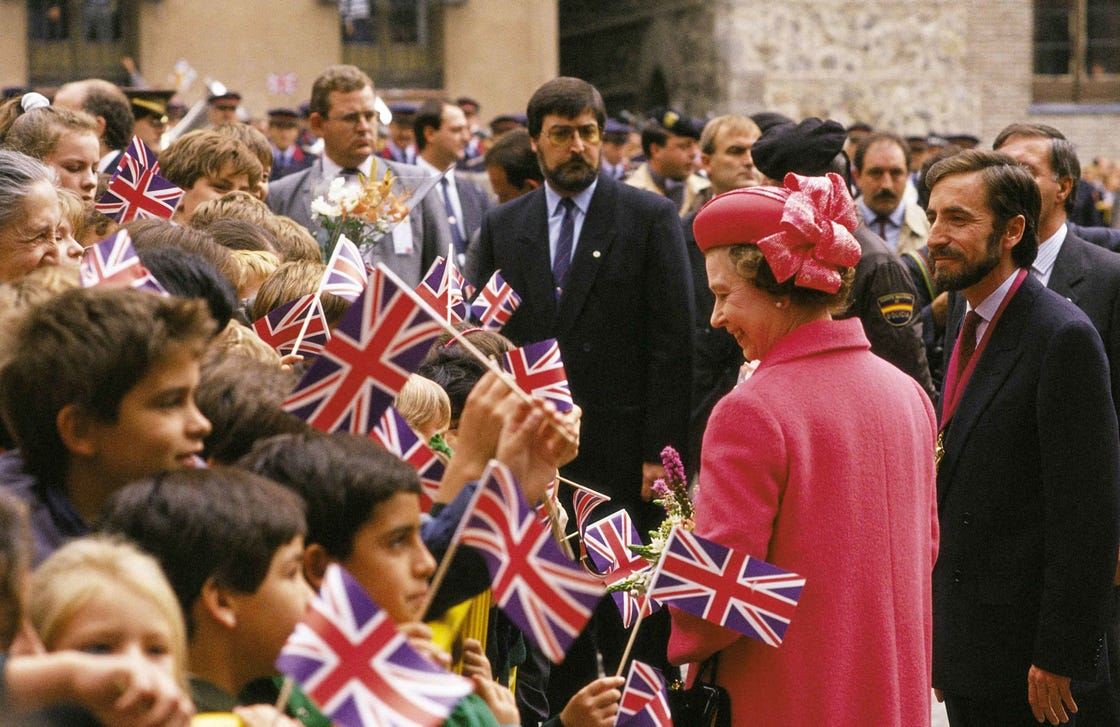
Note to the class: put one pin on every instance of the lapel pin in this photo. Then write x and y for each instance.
(596, 254)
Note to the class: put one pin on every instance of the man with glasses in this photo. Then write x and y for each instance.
(601, 267)
(342, 114)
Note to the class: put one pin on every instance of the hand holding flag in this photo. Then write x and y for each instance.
(349, 657)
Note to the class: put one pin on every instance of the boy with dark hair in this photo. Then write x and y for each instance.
(231, 543)
(98, 390)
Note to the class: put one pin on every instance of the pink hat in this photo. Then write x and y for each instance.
(803, 229)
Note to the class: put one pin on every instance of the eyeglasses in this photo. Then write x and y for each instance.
(561, 135)
(357, 117)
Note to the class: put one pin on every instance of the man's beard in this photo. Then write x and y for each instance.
(573, 175)
(973, 273)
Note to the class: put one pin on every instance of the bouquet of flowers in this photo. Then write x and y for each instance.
(672, 494)
(363, 214)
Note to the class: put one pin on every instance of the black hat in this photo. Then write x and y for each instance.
(403, 112)
(505, 122)
(769, 119)
(617, 131)
(965, 141)
(806, 148)
(283, 117)
(149, 102)
(227, 96)
(676, 123)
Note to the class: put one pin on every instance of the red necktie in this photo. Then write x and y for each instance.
(966, 342)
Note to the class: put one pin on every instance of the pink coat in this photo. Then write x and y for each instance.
(822, 463)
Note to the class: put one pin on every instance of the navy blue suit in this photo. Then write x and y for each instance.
(1028, 505)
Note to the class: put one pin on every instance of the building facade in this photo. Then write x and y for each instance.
(942, 66)
(495, 51)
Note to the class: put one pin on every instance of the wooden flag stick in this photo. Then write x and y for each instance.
(578, 486)
(441, 572)
(286, 689)
(630, 643)
(306, 322)
(470, 347)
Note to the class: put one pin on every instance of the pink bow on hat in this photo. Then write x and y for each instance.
(816, 236)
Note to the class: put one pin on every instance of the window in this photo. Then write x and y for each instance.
(398, 40)
(1076, 51)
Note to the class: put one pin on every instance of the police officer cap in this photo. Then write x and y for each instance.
(806, 148)
(677, 123)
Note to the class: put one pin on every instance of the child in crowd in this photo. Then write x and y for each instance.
(103, 596)
(294, 280)
(73, 212)
(51, 688)
(258, 144)
(98, 390)
(207, 165)
(65, 140)
(231, 543)
(425, 406)
(238, 205)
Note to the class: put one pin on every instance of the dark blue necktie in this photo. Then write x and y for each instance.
(456, 236)
(563, 259)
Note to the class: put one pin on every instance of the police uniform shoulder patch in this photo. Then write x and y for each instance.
(897, 308)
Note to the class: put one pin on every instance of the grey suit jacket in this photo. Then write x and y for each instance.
(474, 202)
(293, 194)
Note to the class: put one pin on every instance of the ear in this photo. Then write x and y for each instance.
(216, 604)
(533, 144)
(1065, 189)
(315, 562)
(429, 134)
(76, 430)
(530, 185)
(1013, 233)
(705, 161)
(315, 123)
(100, 127)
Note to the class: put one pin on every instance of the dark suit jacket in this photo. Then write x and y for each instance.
(1106, 237)
(624, 322)
(293, 194)
(1028, 505)
(1089, 277)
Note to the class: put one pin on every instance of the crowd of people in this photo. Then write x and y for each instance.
(891, 365)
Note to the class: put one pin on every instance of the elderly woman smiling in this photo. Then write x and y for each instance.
(29, 218)
(820, 463)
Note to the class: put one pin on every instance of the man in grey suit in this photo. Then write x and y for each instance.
(1089, 276)
(343, 115)
(442, 135)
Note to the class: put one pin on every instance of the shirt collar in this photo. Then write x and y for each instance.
(332, 169)
(432, 169)
(1048, 251)
(988, 307)
(582, 200)
(894, 218)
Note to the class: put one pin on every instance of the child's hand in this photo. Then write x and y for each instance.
(596, 705)
(534, 438)
(264, 715)
(499, 699)
(480, 426)
(129, 691)
(419, 637)
(475, 662)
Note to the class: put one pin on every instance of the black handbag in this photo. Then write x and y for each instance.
(705, 704)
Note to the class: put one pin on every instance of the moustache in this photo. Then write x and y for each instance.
(884, 195)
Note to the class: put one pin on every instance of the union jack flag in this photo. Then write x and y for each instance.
(539, 371)
(137, 189)
(280, 327)
(282, 83)
(644, 701)
(395, 435)
(496, 303)
(114, 262)
(381, 339)
(585, 501)
(346, 275)
(445, 289)
(730, 589)
(608, 543)
(349, 657)
(547, 596)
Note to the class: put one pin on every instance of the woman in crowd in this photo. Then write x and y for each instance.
(29, 218)
(64, 140)
(809, 464)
